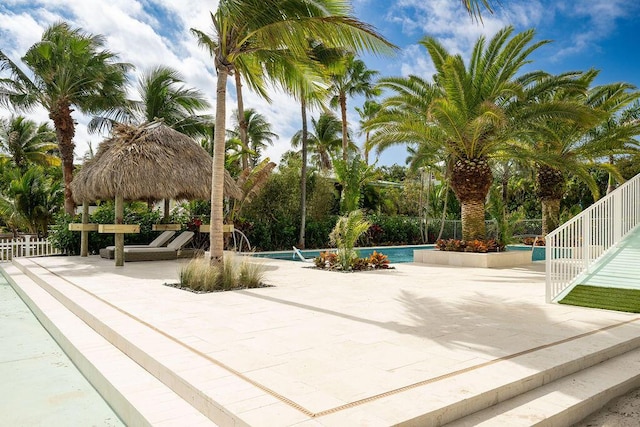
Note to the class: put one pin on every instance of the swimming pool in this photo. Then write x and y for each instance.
(396, 254)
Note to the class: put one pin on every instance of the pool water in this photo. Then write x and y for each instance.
(396, 254)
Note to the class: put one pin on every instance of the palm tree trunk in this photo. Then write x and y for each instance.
(366, 148)
(611, 183)
(242, 123)
(444, 211)
(303, 176)
(473, 226)
(343, 111)
(216, 235)
(550, 215)
(65, 131)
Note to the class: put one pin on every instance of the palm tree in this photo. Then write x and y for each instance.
(164, 96)
(70, 70)
(24, 142)
(352, 79)
(470, 113)
(324, 139)
(560, 148)
(262, 28)
(369, 110)
(258, 133)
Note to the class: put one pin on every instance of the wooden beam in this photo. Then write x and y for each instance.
(165, 227)
(118, 228)
(76, 226)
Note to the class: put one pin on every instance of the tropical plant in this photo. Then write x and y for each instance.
(24, 142)
(251, 181)
(351, 79)
(345, 235)
(369, 110)
(258, 133)
(324, 140)
(35, 197)
(470, 113)
(353, 176)
(505, 221)
(70, 69)
(163, 96)
(560, 147)
(266, 30)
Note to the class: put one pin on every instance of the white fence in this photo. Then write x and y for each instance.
(24, 247)
(573, 247)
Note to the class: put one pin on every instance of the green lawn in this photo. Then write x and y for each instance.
(607, 298)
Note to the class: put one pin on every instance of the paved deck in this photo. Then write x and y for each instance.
(327, 348)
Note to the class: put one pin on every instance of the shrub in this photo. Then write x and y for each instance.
(378, 260)
(345, 235)
(200, 275)
(327, 260)
(476, 246)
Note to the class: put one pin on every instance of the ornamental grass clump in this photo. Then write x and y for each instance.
(199, 275)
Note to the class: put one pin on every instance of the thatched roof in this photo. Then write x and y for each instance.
(151, 161)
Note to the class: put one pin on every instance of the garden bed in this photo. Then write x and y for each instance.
(469, 259)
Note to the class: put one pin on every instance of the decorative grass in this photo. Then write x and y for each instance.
(617, 299)
(198, 275)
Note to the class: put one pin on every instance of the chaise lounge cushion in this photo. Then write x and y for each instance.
(159, 241)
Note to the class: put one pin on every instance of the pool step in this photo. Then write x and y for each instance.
(131, 391)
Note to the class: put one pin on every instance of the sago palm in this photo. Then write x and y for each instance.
(266, 29)
(69, 70)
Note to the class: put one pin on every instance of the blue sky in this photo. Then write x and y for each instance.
(601, 34)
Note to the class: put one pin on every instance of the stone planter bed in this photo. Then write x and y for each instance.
(469, 259)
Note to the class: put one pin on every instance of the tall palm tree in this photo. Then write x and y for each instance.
(262, 28)
(324, 140)
(352, 79)
(24, 142)
(367, 112)
(258, 133)
(470, 113)
(69, 70)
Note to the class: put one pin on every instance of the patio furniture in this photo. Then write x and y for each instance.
(159, 241)
(297, 252)
(171, 251)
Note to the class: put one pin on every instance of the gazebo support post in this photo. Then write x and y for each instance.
(119, 237)
(166, 211)
(84, 235)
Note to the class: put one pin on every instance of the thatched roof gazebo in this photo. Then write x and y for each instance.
(147, 162)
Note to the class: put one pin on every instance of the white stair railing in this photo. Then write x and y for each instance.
(572, 248)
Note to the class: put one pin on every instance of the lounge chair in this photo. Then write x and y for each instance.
(156, 254)
(297, 252)
(158, 242)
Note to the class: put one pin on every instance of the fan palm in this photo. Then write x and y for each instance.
(70, 69)
(24, 142)
(266, 29)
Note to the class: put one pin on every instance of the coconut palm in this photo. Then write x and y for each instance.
(324, 139)
(265, 29)
(353, 78)
(69, 70)
(369, 110)
(258, 133)
(472, 113)
(164, 96)
(25, 142)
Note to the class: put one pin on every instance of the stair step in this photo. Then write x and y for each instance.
(566, 400)
(210, 388)
(134, 394)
